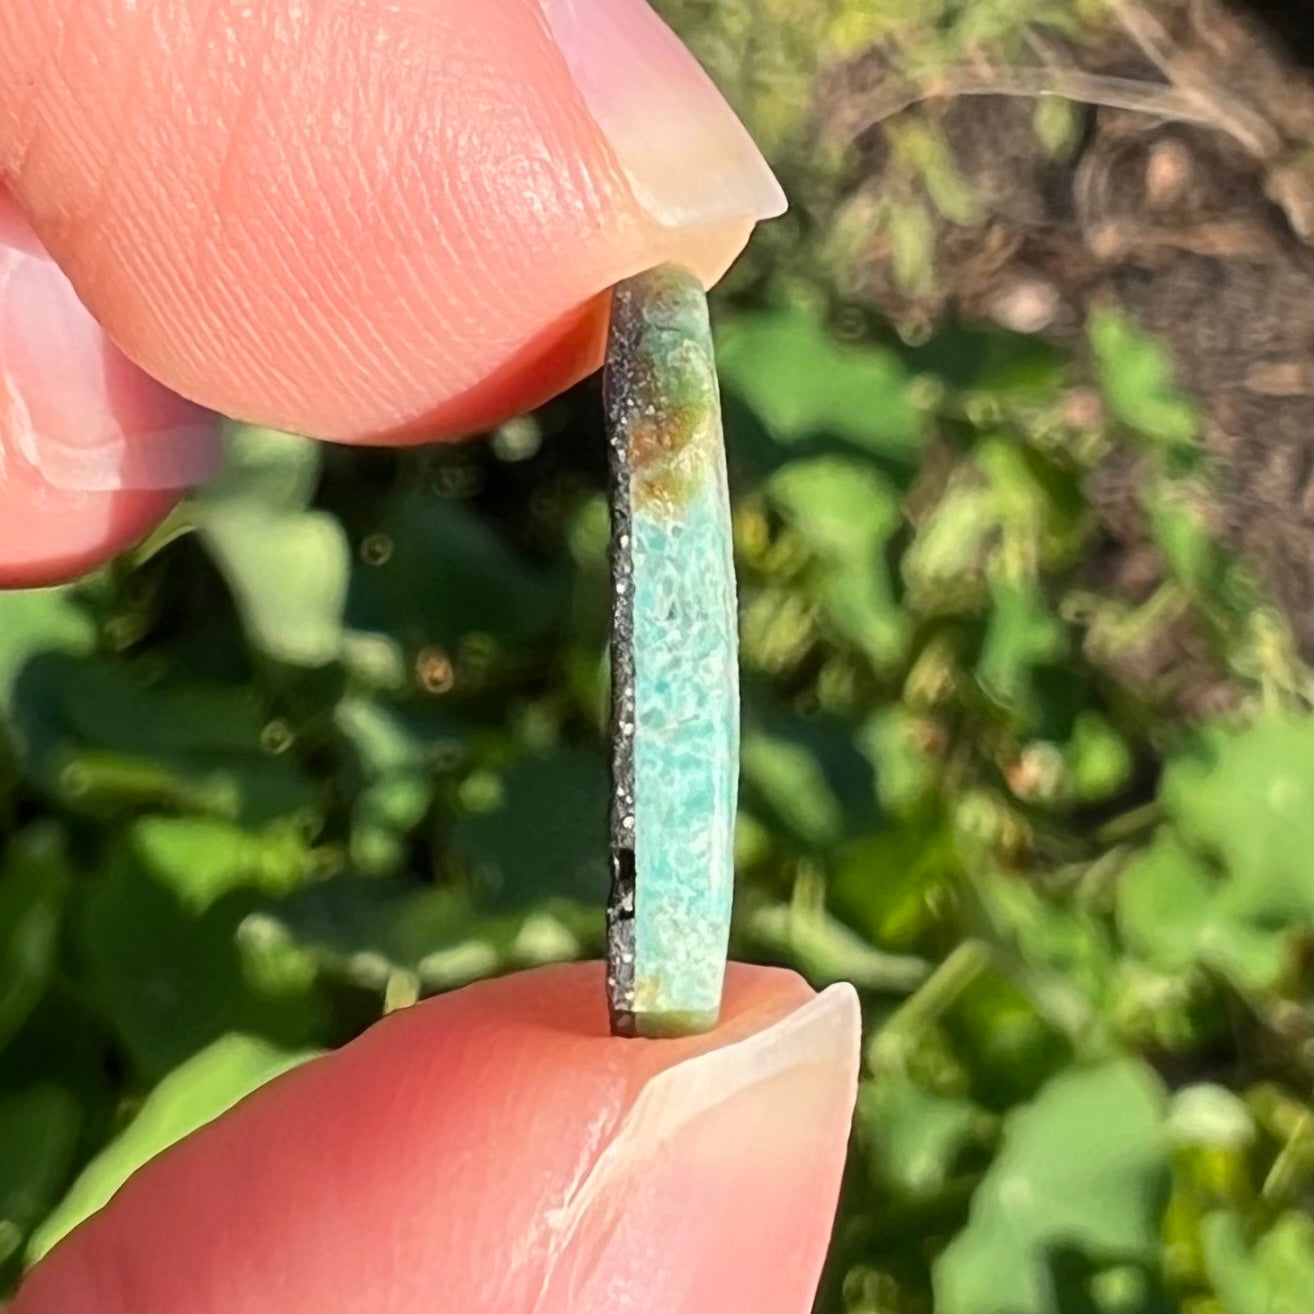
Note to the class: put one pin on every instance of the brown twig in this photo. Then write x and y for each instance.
(1154, 98)
(1221, 109)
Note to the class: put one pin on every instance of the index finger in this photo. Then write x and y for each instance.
(367, 221)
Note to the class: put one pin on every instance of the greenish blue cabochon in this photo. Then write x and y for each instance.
(674, 637)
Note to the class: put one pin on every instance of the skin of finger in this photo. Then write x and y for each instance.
(360, 221)
(51, 532)
(419, 1167)
(49, 535)
(75, 408)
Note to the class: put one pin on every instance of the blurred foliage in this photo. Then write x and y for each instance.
(334, 739)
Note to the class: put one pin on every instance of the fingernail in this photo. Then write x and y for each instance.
(76, 408)
(689, 160)
(719, 1190)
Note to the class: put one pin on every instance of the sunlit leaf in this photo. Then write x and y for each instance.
(1098, 759)
(1022, 633)
(915, 1134)
(895, 743)
(804, 385)
(38, 628)
(394, 789)
(1082, 1173)
(1248, 796)
(1057, 124)
(845, 513)
(1136, 374)
(194, 1093)
(1275, 1276)
(1229, 883)
(286, 565)
(35, 622)
(201, 859)
(894, 884)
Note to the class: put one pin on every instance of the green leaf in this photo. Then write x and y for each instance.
(1174, 912)
(790, 781)
(288, 575)
(911, 227)
(1228, 883)
(804, 773)
(825, 950)
(173, 979)
(112, 705)
(893, 885)
(1276, 1276)
(920, 146)
(1013, 1039)
(1022, 633)
(1247, 796)
(190, 744)
(377, 936)
(1082, 1172)
(1165, 899)
(366, 929)
(1057, 936)
(905, 771)
(1182, 521)
(1179, 519)
(1136, 375)
(804, 385)
(845, 514)
(1041, 511)
(541, 831)
(1097, 758)
(448, 574)
(193, 1094)
(287, 566)
(39, 629)
(990, 363)
(841, 508)
(39, 1128)
(265, 470)
(34, 881)
(35, 622)
(1057, 124)
(915, 1134)
(951, 550)
(201, 860)
(393, 790)
(1005, 517)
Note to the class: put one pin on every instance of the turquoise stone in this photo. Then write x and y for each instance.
(675, 683)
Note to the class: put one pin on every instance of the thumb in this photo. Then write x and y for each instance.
(366, 220)
(93, 452)
(495, 1150)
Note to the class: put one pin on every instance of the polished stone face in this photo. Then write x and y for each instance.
(674, 661)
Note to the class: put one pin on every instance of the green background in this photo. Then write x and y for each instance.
(334, 740)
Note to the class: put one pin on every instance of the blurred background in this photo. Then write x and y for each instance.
(1020, 414)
